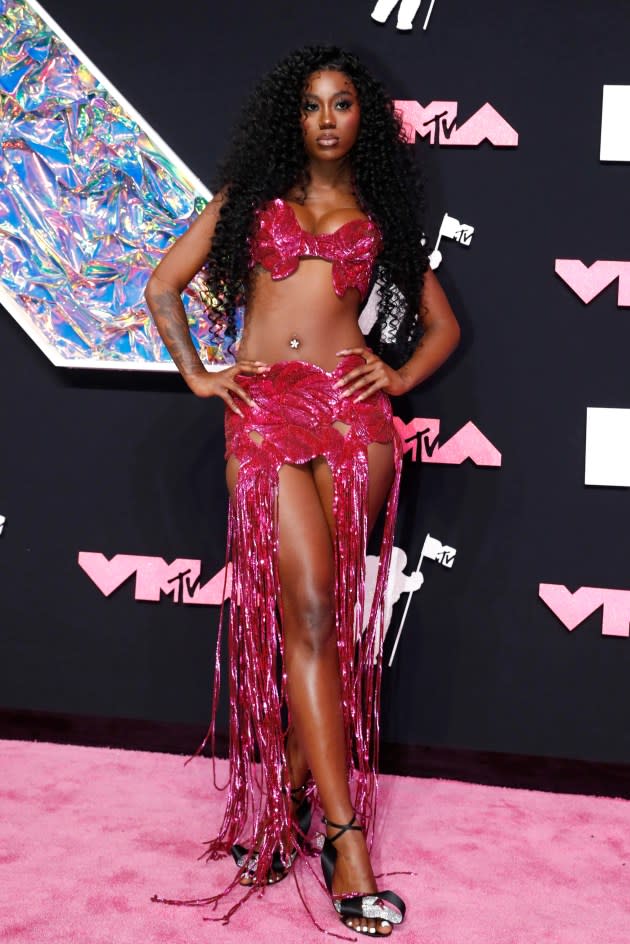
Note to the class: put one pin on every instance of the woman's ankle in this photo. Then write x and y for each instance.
(296, 763)
(344, 820)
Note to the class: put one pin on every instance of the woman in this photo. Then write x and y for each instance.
(317, 201)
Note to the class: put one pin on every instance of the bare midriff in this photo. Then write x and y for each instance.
(305, 307)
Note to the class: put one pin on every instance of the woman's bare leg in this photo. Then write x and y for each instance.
(307, 579)
(306, 563)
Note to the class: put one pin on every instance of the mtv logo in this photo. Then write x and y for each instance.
(464, 234)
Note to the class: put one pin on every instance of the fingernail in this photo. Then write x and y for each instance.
(339, 353)
(339, 383)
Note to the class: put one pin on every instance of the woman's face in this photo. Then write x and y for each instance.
(331, 115)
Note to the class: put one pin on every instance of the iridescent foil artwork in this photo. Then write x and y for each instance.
(90, 199)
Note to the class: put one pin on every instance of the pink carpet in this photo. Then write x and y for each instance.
(89, 834)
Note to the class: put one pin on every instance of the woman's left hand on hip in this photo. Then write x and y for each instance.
(370, 377)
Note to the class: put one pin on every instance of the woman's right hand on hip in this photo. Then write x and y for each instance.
(221, 383)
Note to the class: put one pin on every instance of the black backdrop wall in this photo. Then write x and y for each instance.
(131, 463)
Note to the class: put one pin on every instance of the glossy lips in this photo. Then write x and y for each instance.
(328, 140)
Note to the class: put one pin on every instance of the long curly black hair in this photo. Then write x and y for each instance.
(267, 159)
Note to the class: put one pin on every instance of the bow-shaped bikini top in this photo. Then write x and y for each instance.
(280, 242)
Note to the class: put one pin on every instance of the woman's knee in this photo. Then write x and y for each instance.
(310, 615)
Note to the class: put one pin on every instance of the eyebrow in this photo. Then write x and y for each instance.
(334, 95)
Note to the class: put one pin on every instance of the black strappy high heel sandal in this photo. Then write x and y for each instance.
(385, 906)
(304, 812)
(278, 870)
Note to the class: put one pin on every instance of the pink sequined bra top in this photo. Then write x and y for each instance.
(280, 242)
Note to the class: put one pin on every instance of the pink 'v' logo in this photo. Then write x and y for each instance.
(154, 577)
(438, 122)
(589, 281)
(573, 608)
(468, 443)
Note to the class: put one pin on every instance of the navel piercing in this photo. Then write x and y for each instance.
(294, 343)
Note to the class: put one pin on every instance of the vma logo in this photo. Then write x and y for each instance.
(468, 443)
(588, 281)
(573, 608)
(180, 580)
(438, 123)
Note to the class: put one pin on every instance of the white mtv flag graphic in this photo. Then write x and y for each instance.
(406, 13)
(434, 550)
(398, 582)
(450, 228)
(441, 553)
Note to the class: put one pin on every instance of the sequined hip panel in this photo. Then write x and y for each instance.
(293, 421)
(296, 409)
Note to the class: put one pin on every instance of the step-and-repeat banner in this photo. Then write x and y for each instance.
(508, 605)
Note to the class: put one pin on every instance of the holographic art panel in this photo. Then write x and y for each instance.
(90, 198)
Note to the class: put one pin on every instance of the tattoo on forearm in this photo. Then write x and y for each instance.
(169, 315)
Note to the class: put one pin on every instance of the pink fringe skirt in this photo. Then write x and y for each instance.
(297, 406)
